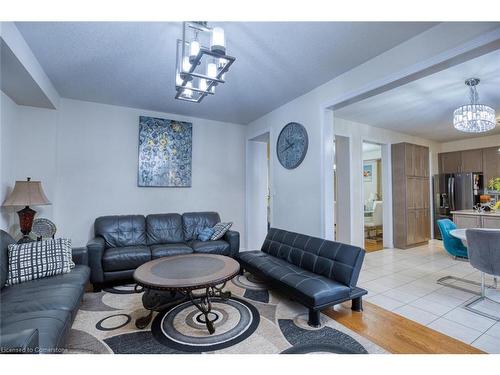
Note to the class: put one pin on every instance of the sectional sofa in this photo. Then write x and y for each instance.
(36, 316)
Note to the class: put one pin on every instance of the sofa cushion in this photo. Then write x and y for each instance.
(52, 326)
(169, 249)
(164, 228)
(39, 299)
(311, 289)
(125, 258)
(220, 230)
(334, 260)
(39, 259)
(121, 231)
(78, 276)
(194, 222)
(5, 240)
(212, 247)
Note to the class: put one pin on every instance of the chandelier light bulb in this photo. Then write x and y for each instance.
(212, 70)
(187, 92)
(203, 84)
(186, 65)
(218, 41)
(194, 49)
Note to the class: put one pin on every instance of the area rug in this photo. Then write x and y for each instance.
(255, 320)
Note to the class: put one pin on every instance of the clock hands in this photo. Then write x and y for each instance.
(289, 145)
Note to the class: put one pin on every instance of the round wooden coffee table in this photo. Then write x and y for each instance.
(206, 274)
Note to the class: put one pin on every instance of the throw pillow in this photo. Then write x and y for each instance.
(220, 230)
(36, 260)
(206, 234)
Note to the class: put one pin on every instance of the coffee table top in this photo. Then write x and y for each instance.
(186, 272)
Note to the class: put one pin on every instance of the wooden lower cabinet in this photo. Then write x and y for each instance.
(492, 222)
(467, 221)
(417, 227)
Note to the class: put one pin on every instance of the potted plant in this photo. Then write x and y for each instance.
(494, 184)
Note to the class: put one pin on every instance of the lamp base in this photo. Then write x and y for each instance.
(26, 216)
(25, 239)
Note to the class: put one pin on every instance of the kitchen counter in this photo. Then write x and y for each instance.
(473, 212)
(474, 219)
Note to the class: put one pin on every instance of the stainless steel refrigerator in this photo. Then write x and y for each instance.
(453, 192)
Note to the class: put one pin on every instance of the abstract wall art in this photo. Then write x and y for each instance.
(165, 152)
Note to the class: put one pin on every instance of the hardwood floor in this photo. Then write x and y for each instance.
(395, 333)
(373, 245)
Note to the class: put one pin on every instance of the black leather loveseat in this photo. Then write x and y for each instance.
(316, 273)
(123, 243)
(36, 316)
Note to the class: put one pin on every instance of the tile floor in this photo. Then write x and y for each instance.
(404, 282)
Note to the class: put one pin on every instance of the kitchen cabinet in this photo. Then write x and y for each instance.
(450, 162)
(491, 163)
(472, 160)
(410, 194)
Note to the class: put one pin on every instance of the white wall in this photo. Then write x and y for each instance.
(86, 156)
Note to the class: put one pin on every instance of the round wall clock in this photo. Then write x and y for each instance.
(292, 144)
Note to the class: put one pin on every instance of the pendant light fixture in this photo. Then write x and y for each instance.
(474, 117)
(201, 62)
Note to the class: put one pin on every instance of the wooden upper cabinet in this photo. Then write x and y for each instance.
(472, 161)
(450, 162)
(416, 160)
(491, 163)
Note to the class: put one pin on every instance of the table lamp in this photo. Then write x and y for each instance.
(26, 193)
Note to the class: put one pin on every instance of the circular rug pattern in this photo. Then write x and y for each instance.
(113, 322)
(182, 327)
(121, 289)
(248, 281)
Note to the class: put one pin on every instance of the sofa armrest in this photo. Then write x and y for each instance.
(80, 256)
(23, 342)
(95, 248)
(233, 238)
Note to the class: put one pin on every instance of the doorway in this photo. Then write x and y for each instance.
(258, 190)
(373, 197)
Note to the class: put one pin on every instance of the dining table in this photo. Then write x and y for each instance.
(460, 233)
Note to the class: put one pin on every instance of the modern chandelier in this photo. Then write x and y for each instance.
(474, 117)
(201, 62)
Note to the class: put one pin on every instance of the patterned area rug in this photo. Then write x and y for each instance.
(255, 320)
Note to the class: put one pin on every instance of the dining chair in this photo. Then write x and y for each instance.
(484, 255)
(376, 221)
(452, 245)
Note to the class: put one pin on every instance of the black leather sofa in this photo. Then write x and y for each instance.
(314, 272)
(123, 243)
(36, 316)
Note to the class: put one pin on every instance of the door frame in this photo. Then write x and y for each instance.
(248, 181)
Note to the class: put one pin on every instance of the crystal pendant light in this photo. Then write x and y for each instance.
(474, 117)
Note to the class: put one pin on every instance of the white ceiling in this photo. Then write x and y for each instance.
(132, 63)
(425, 107)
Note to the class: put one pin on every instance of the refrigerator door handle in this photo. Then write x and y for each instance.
(452, 183)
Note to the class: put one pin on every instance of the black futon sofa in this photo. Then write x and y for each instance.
(123, 243)
(36, 316)
(314, 272)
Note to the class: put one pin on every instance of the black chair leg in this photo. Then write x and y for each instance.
(314, 319)
(242, 271)
(357, 304)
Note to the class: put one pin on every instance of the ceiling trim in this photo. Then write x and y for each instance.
(479, 46)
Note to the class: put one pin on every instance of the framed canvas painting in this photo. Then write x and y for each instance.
(367, 172)
(165, 152)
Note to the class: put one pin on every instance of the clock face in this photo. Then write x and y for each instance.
(291, 147)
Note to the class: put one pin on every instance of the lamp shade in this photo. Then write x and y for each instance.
(27, 193)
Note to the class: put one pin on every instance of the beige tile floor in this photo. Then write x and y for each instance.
(404, 282)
